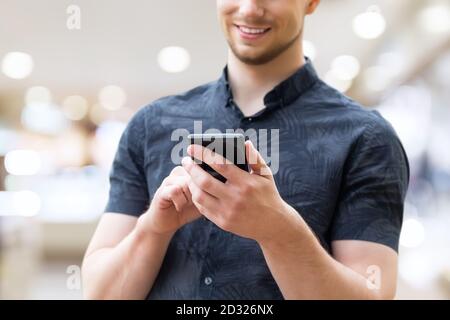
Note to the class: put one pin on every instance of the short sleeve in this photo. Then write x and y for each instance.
(128, 192)
(374, 186)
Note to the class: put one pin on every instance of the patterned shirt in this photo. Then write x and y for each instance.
(341, 166)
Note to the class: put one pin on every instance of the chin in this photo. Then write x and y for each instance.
(253, 59)
(252, 56)
(249, 54)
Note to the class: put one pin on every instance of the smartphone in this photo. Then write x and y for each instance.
(229, 145)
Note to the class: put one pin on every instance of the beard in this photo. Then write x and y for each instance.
(267, 56)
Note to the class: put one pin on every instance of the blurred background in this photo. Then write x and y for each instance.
(74, 72)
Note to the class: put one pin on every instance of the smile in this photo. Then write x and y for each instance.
(251, 33)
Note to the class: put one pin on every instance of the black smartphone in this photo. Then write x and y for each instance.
(229, 145)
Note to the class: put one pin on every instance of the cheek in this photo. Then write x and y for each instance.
(225, 7)
(289, 17)
(224, 12)
(291, 25)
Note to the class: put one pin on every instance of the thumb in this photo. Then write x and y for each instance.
(255, 161)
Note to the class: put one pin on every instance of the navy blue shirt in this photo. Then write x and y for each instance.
(341, 166)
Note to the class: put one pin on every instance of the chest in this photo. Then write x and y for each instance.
(306, 158)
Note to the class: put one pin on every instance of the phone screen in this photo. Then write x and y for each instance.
(229, 145)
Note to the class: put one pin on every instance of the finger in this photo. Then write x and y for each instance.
(178, 198)
(205, 203)
(175, 194)
(204, 180)
(256, 162)
(186, 191)
(177, 171)
(182, 182)
(220, 164)
(164, 197)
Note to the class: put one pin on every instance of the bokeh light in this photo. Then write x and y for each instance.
(112, 97)
(370, 24)
(17, 65)
(22, 162)
(174, 59)
(75, 107)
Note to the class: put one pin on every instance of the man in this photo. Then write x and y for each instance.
(325, 225)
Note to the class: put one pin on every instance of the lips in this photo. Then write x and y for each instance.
(251, 33)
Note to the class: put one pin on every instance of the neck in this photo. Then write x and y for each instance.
(250, 83)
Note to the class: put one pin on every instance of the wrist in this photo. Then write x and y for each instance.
(288, 231)
(145, 229)
(145, 239)
(145, 242)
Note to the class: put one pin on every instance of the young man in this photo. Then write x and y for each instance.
(325, 225)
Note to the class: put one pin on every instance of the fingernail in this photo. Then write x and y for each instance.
(185, 161)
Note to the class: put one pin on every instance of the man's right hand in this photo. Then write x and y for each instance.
(171, 207)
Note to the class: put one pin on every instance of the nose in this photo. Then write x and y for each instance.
(251, 9)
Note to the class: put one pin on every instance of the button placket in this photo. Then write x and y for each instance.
(206, 279)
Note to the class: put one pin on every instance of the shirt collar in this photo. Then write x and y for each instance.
(282, 94)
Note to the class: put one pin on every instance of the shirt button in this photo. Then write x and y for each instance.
(250, 119)
(208, 281)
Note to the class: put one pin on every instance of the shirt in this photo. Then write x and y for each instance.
(341, 166)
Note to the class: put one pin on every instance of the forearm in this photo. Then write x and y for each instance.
(304, 270)
(126, 271)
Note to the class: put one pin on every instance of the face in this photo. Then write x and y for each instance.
(257, 31)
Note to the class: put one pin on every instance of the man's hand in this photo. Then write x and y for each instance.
(172, 206)
(124, 256)
(248, 204)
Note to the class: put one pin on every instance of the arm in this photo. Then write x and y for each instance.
(304, 270)
(126, 253)
(122, 260)
(250, 206)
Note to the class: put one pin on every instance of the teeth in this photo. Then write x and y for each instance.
(252, 30)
